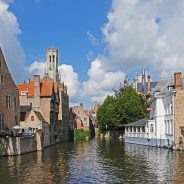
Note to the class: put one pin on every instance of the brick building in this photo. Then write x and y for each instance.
(9, 99)
(179, 111)
(82, 117)
(53, 74)
(63, 110)
(41, 96)
(34, 121)
(49, 97)
(165, 126)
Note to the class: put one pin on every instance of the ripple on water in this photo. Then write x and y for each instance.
(96, 161)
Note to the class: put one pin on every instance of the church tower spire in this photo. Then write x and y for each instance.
(52, 63)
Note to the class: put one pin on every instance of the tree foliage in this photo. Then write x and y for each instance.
(124, 107)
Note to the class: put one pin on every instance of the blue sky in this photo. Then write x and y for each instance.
(62, 24)
(99, 41)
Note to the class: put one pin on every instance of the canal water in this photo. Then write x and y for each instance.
(96, 161)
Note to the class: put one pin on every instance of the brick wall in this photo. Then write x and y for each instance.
(8, 88)
(179, 119)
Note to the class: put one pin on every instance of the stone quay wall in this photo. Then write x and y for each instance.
(21, 145)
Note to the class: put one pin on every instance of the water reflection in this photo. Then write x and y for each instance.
(96, 161)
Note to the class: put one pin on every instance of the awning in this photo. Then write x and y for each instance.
(17, 127)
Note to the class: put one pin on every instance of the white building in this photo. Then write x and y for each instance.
(158, 130)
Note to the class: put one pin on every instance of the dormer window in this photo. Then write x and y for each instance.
(170, 88)
(23, 93)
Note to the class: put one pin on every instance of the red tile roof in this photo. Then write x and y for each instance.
(46, 87)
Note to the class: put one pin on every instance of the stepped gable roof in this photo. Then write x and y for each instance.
(138, 123)
(46, 87)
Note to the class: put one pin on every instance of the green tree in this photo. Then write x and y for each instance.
(106, 113)
(124, 107)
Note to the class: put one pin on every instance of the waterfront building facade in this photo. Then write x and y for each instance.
(53, 73)
(63, 115)
(42, 96)
(49, 97)
(82, 117)
(9, 99)
(34, 121)
(165, 126)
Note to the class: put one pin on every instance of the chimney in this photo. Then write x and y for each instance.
(149, 83)
(178, 80)
(36, 85)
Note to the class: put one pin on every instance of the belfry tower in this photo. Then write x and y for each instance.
(52, 63)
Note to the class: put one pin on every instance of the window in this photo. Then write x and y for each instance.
(2, 122)
(171, 132)
(32, 118)
(1, 79)
(23, 93)
(151, 128)
(16, 120)
(0, 64)
(8, 102)
(138, 129)
(171, 108)
(166, 127)
(50, 58)
(143, 129)
(15, 103)
(53, 58)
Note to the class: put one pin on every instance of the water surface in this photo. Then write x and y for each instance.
(96, 161)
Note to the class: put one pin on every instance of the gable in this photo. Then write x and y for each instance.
(8, 80)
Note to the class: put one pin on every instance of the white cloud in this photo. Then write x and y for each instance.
(141, 32)
(70, 77)
(137, 33)
(101, 82)
(93, 40)
(67, 75)
(36, 68)
(11, 47)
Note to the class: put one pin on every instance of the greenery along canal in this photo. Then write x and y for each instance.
(96, 161)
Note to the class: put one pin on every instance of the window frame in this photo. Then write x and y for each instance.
(8, 101)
